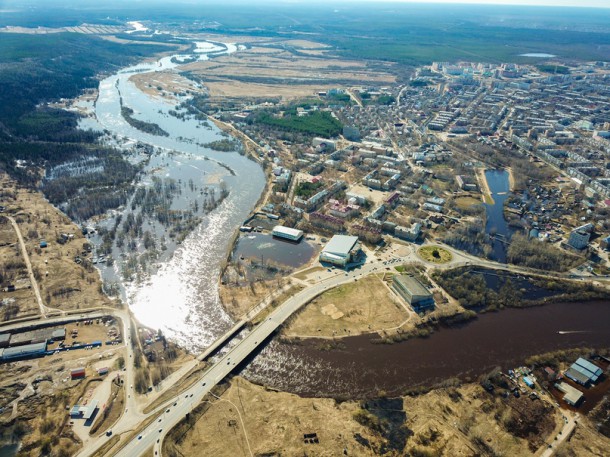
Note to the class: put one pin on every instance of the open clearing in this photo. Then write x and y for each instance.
(466, 202)
(272, 72)
(360, 307)
(274, 424)
(64, 284)
(434, 254)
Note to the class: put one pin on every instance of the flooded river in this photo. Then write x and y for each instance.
(181, 297)
(361, 368)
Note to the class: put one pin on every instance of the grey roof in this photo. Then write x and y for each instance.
(24, 351)
(5, 337)
(341, 244)
(589, 366)
(90, 409)
(572, 395)
(412, 284)
(577, 376)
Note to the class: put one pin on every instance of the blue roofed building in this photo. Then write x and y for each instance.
(584, 372)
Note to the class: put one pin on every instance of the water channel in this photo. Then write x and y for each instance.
(181, 296)
(360, 368)
(497, 226)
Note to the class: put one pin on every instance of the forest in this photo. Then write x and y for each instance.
(319, 123)
(36, 69)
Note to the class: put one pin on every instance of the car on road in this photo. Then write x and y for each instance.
(109, 433)
(140, 437)
(167, 410)
(203, 385)
(160, 430)
(175, 403)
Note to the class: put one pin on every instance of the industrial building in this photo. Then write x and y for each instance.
(85, 412)
(413, 292)
(38, 336)
(287, 233)
(26, 351)
(77, 373)
(571, 395)
(579, 239)
(584, 372)
(340, 250)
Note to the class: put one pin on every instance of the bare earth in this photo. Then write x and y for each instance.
(63, 283)
(360, 307)
(274, 424)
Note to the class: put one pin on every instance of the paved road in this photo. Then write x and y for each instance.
(153, 434)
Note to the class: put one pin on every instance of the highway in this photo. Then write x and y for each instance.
(175, 411)
(153, 434)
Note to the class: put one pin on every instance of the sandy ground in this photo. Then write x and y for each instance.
(486, 191)
(375, 196)
(63, 283)
(360, 307)
(168, 81)
(272, 423)
(511, 179)
(585, 441)
(229, 88)
(305, 44)
(452, 422)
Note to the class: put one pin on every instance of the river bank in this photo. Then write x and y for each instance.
(486, 195)
(359, 369)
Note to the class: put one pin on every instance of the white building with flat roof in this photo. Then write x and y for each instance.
(340, 250)
(287, 233)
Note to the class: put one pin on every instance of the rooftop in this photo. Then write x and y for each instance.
(341, 244)
(412, 284)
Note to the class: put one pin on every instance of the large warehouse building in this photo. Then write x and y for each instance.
(340, 250)
(287, 233)
(584, 372)
(413, 292)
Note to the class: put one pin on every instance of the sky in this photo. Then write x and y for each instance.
(580, 3)
(577, 3)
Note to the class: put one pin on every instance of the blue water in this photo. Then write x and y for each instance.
(499, 185)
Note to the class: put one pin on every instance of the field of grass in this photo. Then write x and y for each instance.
(466, 202)
(435, 254)
(359, 307)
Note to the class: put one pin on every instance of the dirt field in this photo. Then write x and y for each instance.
(360, 307)
(272, 423)
(242, 89)
(451, 422)
(584, 441)
(244, 74)
(163, 84)
(466, 421)
(305, 44)
(64, 284)
(466, 202)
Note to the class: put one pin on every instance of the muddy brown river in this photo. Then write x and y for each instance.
(362, 369)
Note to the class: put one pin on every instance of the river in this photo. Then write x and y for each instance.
(499, 185)
(361, 368)
(181, 296)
